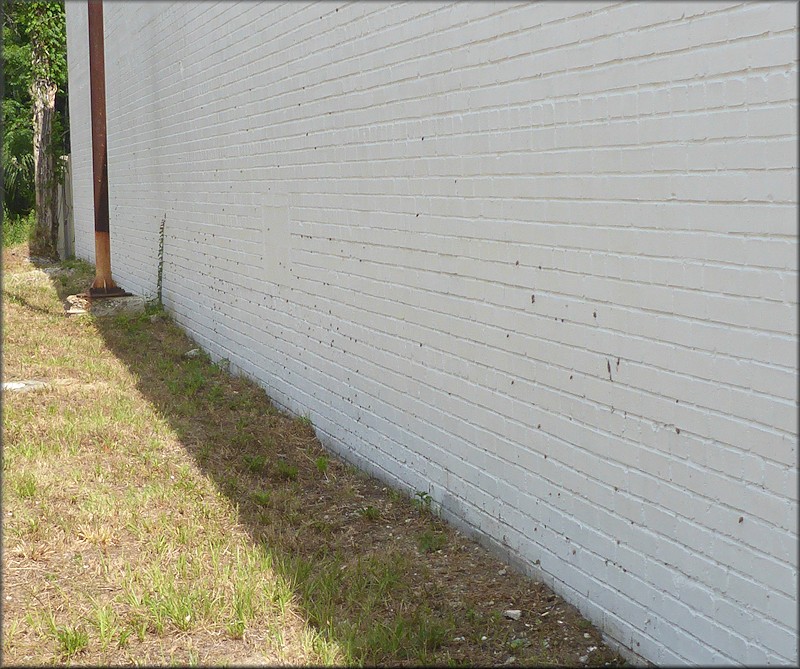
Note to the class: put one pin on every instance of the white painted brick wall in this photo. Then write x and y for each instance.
(539, 260)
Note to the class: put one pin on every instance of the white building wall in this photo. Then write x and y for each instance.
(539, 260)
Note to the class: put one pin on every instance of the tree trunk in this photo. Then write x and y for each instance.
(45, 238)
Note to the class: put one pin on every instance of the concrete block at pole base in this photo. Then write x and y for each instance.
(108, 306)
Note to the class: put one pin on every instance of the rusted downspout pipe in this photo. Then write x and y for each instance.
(103, 285)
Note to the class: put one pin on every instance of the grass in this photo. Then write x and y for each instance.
(262, 497)
(429, 541)
(321, 464)
(286, 471)
(423, 502)
(370, 512)
(255, 463)
(160, 511)
(71, 641)
(24, 485)
(17, 229)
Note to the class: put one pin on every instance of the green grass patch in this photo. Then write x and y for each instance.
(71, 641)
(255, 463)
(17, 229)
(286, 471)
(430, 541)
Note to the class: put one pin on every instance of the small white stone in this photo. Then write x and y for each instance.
(192, 354)
(24, 386)
(586, 635)
(502, 572)
(483, 638)
(513, 614)
(583, 659)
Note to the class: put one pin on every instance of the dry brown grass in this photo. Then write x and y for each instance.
(158, 510)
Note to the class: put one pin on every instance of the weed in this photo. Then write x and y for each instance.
(9, 633)
(370, 513)
(255, 463)
(160, 274)
(286, 471)
(429, 542)
(305, 420)
(316, 643)
(139, 626)
(184, 534)
(423, 502)
(262, 497)
(282, 596)
(193, 380)
(321, 527)
(216, 395)
(17, 229)
(322, 463)
(411, 637)
(153, 308)
(106, 624)
(175, 605)
(203, 453)
(71, 641)
(124, 637)
(236, 629)
(245, 597)
(25, 485)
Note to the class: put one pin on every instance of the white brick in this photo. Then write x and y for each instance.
(631, 166)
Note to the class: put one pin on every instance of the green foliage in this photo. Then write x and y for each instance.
(423, 502)
(430, 542)
(43, 24)
(322, 464)
(255, 463)
(18, 169)
(17, 229)
(34, 49)
(370, 513)
(71, 640)
(286, 471)
(262, 497)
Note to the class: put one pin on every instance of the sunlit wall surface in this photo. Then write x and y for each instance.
(537, 260)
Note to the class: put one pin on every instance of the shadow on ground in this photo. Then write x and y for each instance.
(380, 574)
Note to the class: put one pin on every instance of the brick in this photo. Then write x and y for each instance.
(596, 182)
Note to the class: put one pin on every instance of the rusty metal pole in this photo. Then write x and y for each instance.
(103, 285)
